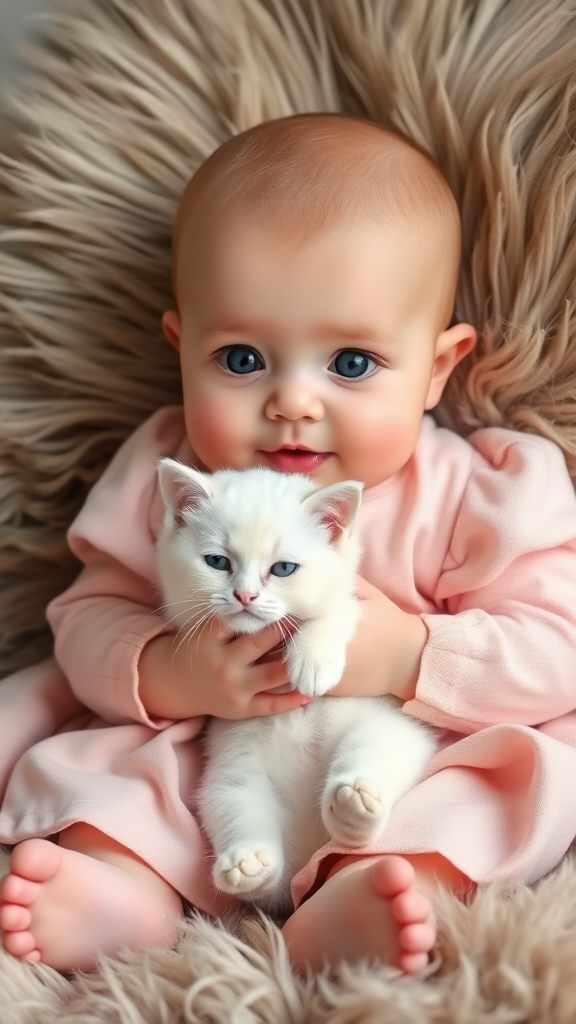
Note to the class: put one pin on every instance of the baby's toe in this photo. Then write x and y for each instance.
(417, 938)
(36, 860)
(34, 956)
(19, 943)
(14, 918)
(411, 907)
(392, 875)
(412, 963)
(14, 889)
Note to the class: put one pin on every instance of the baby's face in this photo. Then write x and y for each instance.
(317, 359)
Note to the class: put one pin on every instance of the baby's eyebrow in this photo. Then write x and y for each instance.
(341, 332)
(325, 331)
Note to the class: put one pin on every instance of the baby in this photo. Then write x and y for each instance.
(315, 268)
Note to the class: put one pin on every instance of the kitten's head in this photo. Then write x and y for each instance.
(255, 546)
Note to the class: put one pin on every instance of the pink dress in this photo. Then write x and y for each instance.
(477, 536)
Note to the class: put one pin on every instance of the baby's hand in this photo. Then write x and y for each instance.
(232, 684)
(215, 673)
(384, 654)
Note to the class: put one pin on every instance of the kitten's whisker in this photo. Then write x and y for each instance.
(205, 624)
(284, 634)
(195, 626)
(290, 623)
(175, 619)
(186, 600)
(193, 606)
(201, 621)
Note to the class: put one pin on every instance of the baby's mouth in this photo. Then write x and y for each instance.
(296, 460)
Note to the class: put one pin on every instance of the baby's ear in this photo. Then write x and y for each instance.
(335, 506)
(182, 487)
(172, 328)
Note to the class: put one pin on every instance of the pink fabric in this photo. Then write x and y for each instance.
(478, 537)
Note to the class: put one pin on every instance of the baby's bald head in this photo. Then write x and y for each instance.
(309, 173)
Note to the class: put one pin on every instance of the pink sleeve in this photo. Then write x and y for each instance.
(502, 647)
(103, 621)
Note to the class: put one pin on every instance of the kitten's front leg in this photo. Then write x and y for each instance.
(316, 654)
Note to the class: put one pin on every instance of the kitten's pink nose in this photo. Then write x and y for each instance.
(244, 596)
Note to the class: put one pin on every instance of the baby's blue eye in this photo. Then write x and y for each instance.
(351, 364)
(283, 568)
(241, 359)
(218, 562)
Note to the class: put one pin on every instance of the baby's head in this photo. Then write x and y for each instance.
(315, 264)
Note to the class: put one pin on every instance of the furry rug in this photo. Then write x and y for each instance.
(127, 97)
(506, 959)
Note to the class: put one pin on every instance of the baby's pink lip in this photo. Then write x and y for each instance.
(296, 459)
(296, 448)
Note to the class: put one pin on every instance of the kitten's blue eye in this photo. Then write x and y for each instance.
(351, 364)
(283, 568)
(241, 359)
(218, 562)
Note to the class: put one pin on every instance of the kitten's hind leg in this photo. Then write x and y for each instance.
(380, 755)
(352, 809)
(250, 864)
(242, 818)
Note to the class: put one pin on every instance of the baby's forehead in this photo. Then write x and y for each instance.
(306, 174)
(325, 165)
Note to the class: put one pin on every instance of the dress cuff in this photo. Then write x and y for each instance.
(445, 674)
(127, 679)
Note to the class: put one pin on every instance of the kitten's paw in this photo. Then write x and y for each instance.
(247, 871)
(313, 676)
(353, 810)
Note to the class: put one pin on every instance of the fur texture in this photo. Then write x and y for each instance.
(276, 789)
(126, 99)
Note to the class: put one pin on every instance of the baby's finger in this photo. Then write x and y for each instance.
(265, 704)
(261, 678)
(248, 648)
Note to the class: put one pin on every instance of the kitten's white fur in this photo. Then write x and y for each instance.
(276, 789)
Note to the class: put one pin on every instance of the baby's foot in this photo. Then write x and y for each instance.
(370, 909)
(353, 811)
(63, 908)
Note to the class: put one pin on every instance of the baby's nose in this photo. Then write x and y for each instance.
(295, 399)
(244, 596)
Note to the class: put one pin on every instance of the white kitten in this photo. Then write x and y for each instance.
(257, 547)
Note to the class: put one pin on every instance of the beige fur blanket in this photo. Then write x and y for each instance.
(127, 97)
(506, 959)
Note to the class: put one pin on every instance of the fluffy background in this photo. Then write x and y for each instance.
(128, 97)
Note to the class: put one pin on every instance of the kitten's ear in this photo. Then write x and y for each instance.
(182, 487)
(335, 506)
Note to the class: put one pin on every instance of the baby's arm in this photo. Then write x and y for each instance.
(501, 647)
(101, 624)
(506, 654)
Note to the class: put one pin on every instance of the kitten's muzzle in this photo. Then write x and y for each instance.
(245, 597)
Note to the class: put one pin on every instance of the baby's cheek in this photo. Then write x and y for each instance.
(213, 431)
(384, 443)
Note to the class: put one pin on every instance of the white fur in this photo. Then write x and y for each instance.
(276, 789)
